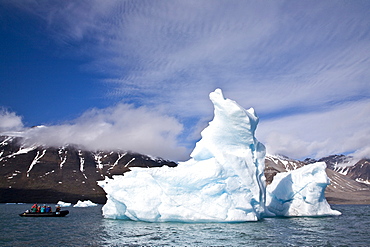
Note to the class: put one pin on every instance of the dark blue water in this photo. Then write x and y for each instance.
(86, 227)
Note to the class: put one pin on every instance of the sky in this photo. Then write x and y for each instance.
(136, 75)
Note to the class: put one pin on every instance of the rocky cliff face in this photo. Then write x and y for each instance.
(44, 174)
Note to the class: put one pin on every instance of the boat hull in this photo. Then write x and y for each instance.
(52, 214)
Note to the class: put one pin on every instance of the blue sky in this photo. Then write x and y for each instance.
(136, 75)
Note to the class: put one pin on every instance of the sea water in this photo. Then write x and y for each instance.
(87, 227)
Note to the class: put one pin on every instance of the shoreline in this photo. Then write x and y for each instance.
(348, 198)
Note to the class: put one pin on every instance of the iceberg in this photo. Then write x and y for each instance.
(300, 192)
(84, 204)
(223, 181)
(64, 204)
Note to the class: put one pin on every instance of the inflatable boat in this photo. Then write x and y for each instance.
(51, 214)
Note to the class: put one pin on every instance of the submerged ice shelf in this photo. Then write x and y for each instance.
(223, 181)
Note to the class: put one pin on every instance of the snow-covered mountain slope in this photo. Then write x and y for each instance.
(37, 173)
(358, 170)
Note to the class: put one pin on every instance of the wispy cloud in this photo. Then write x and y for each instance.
(342, 129)
(302, 65)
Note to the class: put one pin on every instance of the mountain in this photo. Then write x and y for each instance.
(358, 170)
(46, 174)
(69, 173)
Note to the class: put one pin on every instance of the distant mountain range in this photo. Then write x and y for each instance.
(47, 174)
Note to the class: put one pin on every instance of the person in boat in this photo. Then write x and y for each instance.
(34, 208)
(42, 210)
(57, 209)
(48, 209)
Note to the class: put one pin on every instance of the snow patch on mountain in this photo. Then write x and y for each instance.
(82, 162)
(38, 156)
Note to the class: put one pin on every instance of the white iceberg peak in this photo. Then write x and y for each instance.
(222, 182)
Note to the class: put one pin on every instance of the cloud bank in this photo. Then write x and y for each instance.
(120, 127)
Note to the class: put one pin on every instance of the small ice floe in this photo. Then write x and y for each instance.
(64, 204)
(84, 204)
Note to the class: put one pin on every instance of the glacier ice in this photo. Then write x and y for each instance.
(84, 204)
(300, 192)
(64, 204)
(223, 181)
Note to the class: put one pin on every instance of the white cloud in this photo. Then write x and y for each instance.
(9, 121)
(124, 127)
(363, 152)
(342, 129)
